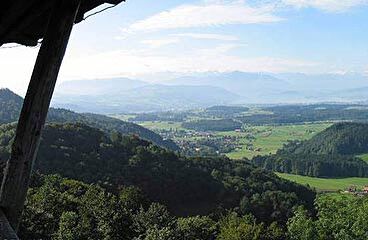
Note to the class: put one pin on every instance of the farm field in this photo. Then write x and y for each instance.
(123, 117)
(252, 141)
(326, 184)
(268, 139)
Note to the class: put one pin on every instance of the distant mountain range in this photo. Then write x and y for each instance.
(127, 97)
(10, 107)
(247, 85)
(206, 89)
(99, 87)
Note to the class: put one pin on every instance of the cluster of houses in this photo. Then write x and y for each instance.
(359, 192)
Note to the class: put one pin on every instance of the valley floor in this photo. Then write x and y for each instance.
(246, 142)
(326, 184)
(268, 139)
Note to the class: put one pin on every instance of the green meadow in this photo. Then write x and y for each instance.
(326, 184)
(268, 139)
(158, 125)
(257, 140)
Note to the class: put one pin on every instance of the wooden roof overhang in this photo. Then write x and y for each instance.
(26, 22)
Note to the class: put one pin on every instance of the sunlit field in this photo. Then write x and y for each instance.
(326, 184)
(268, 139)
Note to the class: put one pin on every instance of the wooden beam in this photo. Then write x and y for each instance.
(34, 111)
(16, 11)
(18, 30)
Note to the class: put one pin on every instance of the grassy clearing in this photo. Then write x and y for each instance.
(364, 157)
(264, 139)
(268, 139)
(124, 117)
(326, 184)
(156, 125)
(337, 196)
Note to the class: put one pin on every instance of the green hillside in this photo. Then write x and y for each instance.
(186, 186)
(109, 125)
(326, 184)
(331, 153)
(341, 138)
(10, 107)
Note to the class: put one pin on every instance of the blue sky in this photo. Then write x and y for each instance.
(143, 37)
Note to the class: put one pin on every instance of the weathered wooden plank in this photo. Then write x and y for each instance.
(33, 115)
(6, 231)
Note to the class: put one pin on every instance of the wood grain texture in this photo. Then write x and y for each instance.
(33, 115)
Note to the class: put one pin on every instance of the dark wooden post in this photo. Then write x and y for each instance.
(6, 231)
(36, 103)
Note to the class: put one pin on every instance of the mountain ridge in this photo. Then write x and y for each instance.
(11, 105)
(150, 97)
(201, 90)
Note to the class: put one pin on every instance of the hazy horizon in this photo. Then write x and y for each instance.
(139, 39)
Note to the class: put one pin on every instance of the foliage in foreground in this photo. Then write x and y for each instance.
(339, 217)
(185, 186)
(59, 208)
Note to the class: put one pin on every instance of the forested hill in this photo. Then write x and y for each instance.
(331, 153)
(186, 186)
(109, 125)
(11, 104)
(341, 138)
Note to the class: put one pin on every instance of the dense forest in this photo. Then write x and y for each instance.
(213, 125)
(109, 125)
(314, 165)
(294, 114)
(225, 111)
(185, 186)
(339, 217)
(64, 209)
(330, 153)
(341, 138)
(11, 104)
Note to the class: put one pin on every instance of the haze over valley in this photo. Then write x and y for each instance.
(190, 91)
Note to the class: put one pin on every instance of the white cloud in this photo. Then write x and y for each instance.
(213, 13)
(156, 43)
(16, 67)
(365, 72)
(133, 62)
(326, 5)
(207, 36)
